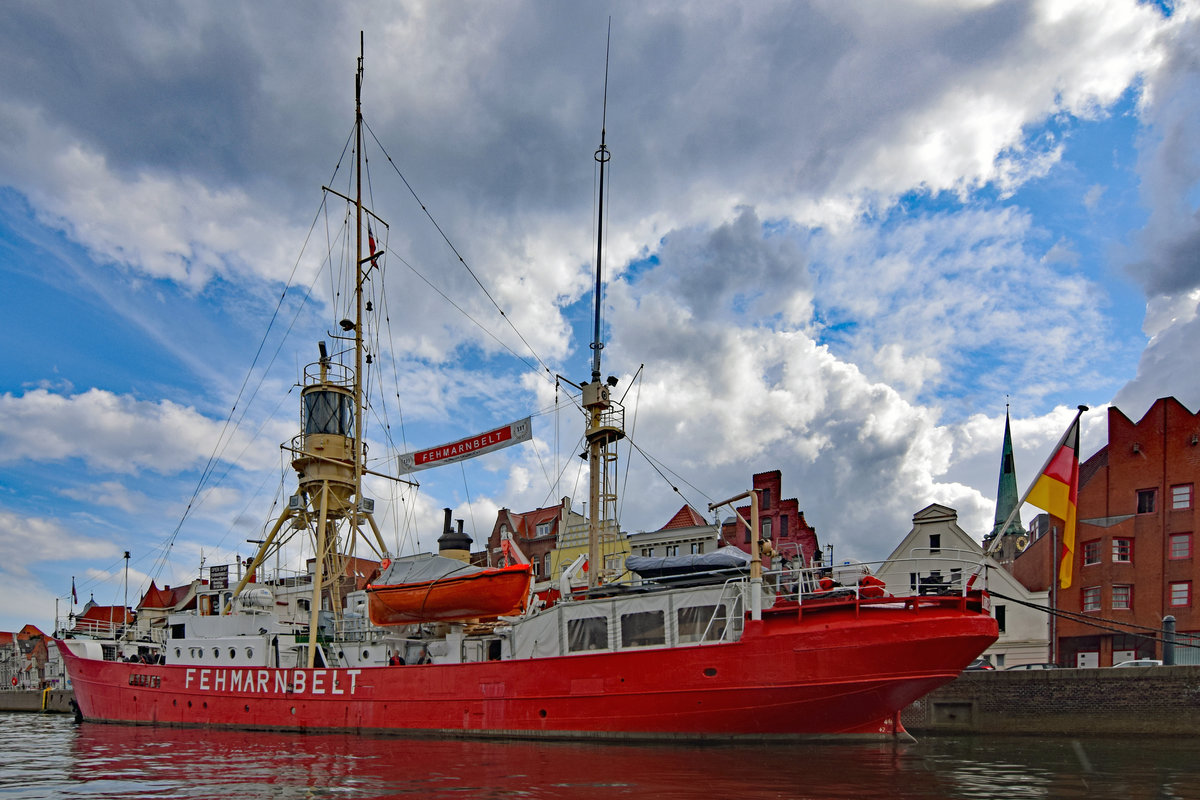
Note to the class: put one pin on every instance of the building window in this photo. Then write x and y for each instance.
(1091, 552)
(647, 552)
(1181, 594)
(1091, 598)
(697, 548)
(998, 613)
(543, 529)
(783, 527)
(1122, 551)
(935, 542)
(1181, 496)
(766, 529)
(1181, 546)
(546, 566)
(766, 499)
(672, 549)
(1145, 499)
(1122, 597)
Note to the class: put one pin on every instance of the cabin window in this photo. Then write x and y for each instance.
(589, 633)
(694, 622)
(328, 412)
(643, 629)
(178, 632)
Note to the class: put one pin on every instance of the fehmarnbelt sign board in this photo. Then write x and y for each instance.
(513, 433)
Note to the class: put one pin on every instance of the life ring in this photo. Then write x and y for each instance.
(14, 680)
(387, 562)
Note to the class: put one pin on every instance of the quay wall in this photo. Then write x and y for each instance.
(1131, 700)
(56, 700)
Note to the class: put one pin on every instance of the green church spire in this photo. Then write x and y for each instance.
(1006, 492)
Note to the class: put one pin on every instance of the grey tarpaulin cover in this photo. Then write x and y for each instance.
(424, 569)
(722, 558)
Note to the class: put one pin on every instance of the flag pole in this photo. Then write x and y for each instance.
(1053, 452)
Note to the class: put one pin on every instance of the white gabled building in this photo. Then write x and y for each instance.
(939, 556)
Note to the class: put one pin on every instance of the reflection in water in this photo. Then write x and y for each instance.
(50, 756)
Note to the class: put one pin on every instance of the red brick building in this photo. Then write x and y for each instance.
(779, 519)
(1135, 558)
(534, 532)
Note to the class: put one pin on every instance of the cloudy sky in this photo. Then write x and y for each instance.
(841, 237)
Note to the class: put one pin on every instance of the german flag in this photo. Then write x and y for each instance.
(1056, 491)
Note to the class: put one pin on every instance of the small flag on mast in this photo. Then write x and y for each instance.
(74, 597)
(371, 244)
(1056, 491)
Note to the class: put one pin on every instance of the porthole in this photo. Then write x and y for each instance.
(216, 652)
(232, 653)
(178, 653)
(249, 652)
(542, 713)
(366, 655)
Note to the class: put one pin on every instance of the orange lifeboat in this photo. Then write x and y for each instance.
(461, 593)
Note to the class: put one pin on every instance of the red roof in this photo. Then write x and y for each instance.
(158, 598)
(103, 614)
(686, 517)
(527, 523)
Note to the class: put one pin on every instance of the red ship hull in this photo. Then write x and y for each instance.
(492, 593)
(837, 668)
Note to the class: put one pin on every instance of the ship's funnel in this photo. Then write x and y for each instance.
(452, 543)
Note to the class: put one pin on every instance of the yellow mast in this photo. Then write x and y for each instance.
(329, 455)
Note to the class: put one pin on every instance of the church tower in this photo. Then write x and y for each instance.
(1013, 538)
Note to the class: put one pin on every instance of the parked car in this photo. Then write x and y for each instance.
(1140, 662)
(1034, 666)
(983, 662)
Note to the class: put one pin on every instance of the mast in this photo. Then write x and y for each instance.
(329, 455)
(605, 418)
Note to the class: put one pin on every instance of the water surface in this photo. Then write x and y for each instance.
(50, 756)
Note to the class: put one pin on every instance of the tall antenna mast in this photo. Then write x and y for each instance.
(606, 419)
(602, 156)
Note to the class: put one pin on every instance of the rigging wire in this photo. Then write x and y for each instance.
(225, 436)
(454, 249)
